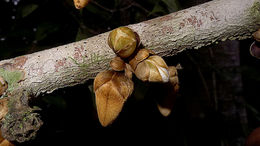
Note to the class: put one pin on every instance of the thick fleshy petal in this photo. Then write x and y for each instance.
(111, 94)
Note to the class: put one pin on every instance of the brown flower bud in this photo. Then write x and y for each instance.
(152, 69)
(174, 80)
(123, 41)
(255, 50)
(112, 90)
(79, 4)
(256, 35)
(117, 64)
(141, 55)
(165, 103)
(3, 108)
(3, 86)
(128, 71)
(4, 142)
(254, 138)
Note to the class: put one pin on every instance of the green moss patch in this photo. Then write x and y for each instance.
(12, 78)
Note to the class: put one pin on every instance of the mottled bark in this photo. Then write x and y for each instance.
(195, 27)
(224, 88)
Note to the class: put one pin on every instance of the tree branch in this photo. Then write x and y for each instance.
(195, 27)
(71, 64)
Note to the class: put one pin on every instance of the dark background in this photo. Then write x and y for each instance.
(69, 114)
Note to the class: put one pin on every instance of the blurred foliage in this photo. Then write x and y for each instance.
(37, 25)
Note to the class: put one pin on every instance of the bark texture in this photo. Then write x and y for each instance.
(224, 87)
(195, 27)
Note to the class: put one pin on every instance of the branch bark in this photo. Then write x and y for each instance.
(195, 27)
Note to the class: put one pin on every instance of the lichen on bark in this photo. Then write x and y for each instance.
(255, 10)
(22, 122)
(11, 77)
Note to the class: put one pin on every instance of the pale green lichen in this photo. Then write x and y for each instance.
(94, 59)
(12, 78)
(255, 11)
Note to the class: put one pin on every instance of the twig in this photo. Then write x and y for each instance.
(132, 4)
(214, 82)
(201, 76)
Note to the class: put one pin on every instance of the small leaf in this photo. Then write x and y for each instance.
(173, 5)
(157, 9)
(28, 9)
(45, 29)
(82, 35)
(104, 15)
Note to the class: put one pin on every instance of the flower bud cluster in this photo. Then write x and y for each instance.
(113, 87)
